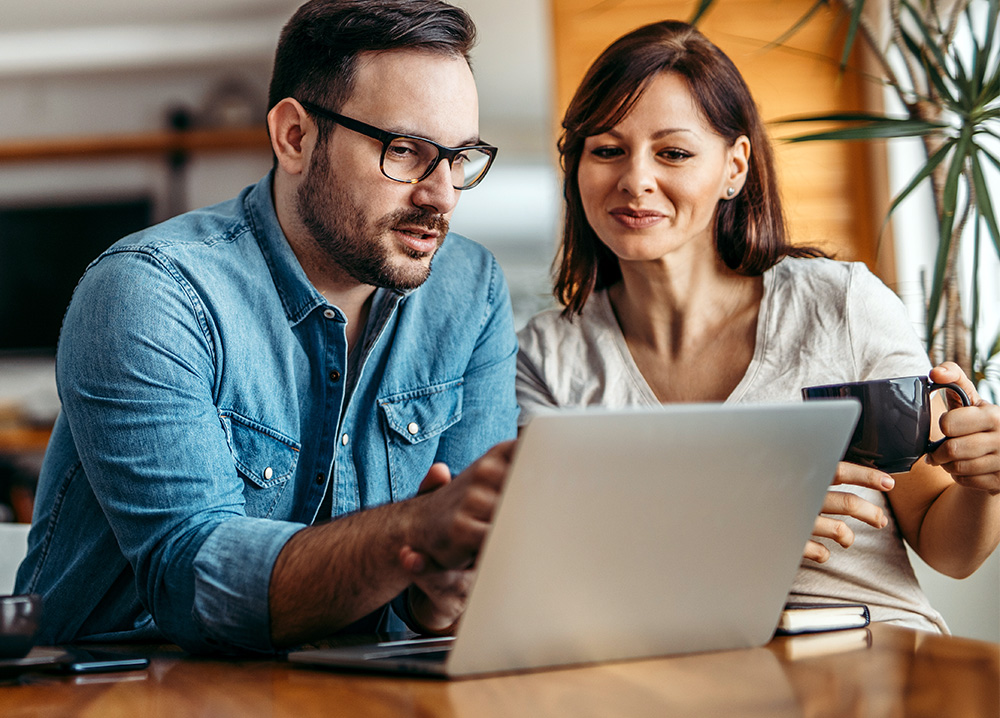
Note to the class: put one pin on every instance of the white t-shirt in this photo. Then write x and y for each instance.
(820, 322)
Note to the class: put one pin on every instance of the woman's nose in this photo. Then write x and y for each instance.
(638, 177)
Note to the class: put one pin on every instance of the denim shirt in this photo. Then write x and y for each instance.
(204, 415)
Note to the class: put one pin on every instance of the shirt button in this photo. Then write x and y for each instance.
(335, 375)
(329, 314)
(268, 472)
(320, 478)
(413, 427)
(344, 439)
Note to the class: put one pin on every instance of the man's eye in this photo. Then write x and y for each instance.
(400, 151)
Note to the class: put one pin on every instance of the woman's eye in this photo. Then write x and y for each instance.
(673, 154)
(605, 153)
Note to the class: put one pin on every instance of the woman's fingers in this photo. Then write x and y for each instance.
(816, 551)
(857, 475)
(833, 529)
(842, 503)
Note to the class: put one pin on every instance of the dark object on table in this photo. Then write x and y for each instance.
(19, 617)
(89, 660)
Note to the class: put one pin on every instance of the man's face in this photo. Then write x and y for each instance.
(385, 233)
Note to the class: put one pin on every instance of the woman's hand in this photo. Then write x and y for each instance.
(971, 453)
(843, 503)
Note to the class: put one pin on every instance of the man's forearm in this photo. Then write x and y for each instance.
(330, 575)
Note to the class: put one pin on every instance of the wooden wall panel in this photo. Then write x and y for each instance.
(832, 191)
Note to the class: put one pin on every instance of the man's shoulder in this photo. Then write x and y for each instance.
(462, 267)
(207, 227)
(460, 251)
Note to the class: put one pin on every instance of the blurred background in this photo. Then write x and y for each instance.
(118, 114)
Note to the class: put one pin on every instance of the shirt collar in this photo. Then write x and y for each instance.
(298, 295)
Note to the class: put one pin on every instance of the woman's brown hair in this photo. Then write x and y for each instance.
(750, 228)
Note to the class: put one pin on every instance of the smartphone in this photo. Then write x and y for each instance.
(85, 660)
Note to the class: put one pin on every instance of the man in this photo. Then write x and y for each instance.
(242, 371)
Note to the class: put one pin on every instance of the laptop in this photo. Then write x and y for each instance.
(633, 534)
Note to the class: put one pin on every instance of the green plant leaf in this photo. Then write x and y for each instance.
(931, 42)
(949, 206)
(974, 330)
(965, 98)
(923, 174)
(989, 155)
(992, 16)
(848, 117)
(873, 131)
(984, 203)
(932, 71)
(852, 32)
(799, 24)
(992, 11)
(703, 7)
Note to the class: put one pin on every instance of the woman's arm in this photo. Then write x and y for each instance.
(948, 506)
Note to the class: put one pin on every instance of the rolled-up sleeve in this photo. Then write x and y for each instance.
(230, 593)
(138, 368)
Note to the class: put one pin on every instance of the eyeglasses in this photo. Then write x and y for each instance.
(409, 159)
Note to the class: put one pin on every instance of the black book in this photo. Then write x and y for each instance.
(818, 617)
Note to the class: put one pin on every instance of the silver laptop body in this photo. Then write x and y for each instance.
(638, 533)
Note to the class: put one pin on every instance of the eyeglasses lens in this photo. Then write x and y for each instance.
(408, 159)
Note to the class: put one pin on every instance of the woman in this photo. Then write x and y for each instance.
(678, 284)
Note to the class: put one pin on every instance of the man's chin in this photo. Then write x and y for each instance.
(415, 273)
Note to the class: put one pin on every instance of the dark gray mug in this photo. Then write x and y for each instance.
(895, 424)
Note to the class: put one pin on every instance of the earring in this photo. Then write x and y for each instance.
(730, 191)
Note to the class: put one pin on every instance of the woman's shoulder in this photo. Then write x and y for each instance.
(821, 279)
(820, 269)
(553, 327)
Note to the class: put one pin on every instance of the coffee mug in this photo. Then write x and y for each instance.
(894, 428)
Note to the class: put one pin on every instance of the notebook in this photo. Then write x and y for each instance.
(632, 534)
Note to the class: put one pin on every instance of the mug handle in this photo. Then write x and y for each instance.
(931, 386)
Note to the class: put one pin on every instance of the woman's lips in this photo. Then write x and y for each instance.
(636, 218)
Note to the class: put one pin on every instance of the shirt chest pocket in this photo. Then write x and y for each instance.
(264, 458)
(414, 423)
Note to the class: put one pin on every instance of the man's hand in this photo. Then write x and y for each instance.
(842, 503)
(971, 453)
(454, 516)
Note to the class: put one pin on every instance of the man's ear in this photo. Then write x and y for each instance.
(293, 135)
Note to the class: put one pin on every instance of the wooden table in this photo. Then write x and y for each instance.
(901, 673)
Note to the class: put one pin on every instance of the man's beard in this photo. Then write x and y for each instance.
(363, 250)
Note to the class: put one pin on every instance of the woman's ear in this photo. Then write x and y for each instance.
(739, 165)
(293, 135)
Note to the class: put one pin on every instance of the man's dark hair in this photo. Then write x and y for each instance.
(317, 53)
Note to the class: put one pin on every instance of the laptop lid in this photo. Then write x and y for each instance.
(638, 533)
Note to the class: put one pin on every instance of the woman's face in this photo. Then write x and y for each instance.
(651, 184)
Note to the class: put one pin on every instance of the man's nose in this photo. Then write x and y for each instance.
(436, 192)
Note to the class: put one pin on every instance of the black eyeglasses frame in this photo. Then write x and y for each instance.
(386, 138)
